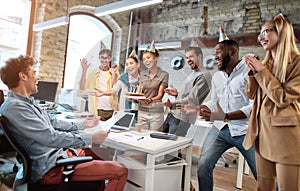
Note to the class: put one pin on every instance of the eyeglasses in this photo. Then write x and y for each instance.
(264, 32)
(104, 58)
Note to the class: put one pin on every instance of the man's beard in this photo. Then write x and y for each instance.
(194, 66)
(225, 62)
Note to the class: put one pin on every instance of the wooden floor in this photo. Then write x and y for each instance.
(225, 178)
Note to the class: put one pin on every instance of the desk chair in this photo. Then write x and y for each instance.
(23, 175)
(242, 167)
(5, 147)
(226, 164)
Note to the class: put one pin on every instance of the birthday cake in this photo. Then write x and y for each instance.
(135, 94)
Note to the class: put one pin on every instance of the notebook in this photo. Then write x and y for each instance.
(120, 121)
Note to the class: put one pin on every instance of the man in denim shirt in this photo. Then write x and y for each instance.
(44, 138)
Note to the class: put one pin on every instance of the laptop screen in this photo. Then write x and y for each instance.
(125, 121)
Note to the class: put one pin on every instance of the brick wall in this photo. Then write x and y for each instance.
(183, 19)
(172, 20)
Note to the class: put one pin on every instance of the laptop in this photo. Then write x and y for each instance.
(120, 121)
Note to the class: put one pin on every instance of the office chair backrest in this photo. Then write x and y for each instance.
(22, 156)
(1, 97)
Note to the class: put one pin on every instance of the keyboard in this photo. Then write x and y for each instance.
(67, 106)
(118, 129)
(163, 136)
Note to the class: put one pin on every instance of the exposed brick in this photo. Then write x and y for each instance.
(173, 20)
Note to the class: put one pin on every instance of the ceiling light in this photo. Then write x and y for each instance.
(99, 11)
(123, 6)
(51, 23)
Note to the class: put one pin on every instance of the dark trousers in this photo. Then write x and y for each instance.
(105, 114)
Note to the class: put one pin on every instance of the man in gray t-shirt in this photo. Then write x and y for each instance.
(196, 87)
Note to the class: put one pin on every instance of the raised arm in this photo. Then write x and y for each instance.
(84, 64)
(115, 74)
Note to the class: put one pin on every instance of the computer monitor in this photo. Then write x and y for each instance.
(46, 91)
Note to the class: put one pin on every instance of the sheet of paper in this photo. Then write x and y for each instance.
(142, 140)
(94, 129)
(125, 137)
(106, 125)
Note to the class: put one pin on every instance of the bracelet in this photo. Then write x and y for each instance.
(148, 100)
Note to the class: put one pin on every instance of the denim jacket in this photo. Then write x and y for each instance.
(42, 137)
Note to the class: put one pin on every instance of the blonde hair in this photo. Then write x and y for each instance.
(285, 51)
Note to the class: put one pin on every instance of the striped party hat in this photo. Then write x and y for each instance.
(102, 46)
(222, 35)
(151, 48)
(279, 15)
(132, 54)
(193, 43)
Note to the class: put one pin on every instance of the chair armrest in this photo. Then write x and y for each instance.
(74, 161)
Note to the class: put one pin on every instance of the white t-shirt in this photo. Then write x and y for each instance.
(103, 101)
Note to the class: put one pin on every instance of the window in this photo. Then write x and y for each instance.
(14, 22)
(14, 38)
(85, 34)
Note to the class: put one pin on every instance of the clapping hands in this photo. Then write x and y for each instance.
(188, 108)
(115, 68)
(168, 103)
(206, 113)
(202, 110)
(253, 63)
(97, 92)
(171, 91)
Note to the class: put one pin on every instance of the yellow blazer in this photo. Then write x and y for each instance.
(274, 123)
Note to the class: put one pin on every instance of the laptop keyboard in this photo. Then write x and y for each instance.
(67, 106)
(118, 128)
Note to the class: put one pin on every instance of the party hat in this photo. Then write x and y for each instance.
(222, 35)
(193, 43)
(102, 46)
(151, 48)
(133, 54)
(279, 15)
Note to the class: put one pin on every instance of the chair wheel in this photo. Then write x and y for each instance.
(226, 165)
(15, 168)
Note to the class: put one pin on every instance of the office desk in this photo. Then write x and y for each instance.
(154, 148)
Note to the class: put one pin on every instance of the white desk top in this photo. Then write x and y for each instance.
(132, 140)
(145, 144)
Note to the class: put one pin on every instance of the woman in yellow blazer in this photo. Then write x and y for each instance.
(274, 124)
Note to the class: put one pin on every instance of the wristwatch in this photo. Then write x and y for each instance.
(226, 118)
